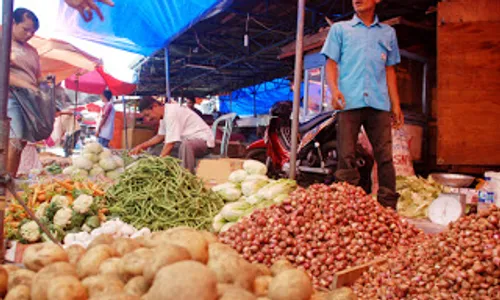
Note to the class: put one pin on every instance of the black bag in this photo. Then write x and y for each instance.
(38, 111)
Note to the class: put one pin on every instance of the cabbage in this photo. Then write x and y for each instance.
(253, 199)
(218, 222)
(250, 187)
(223, 186)
(93, 148)
(227, 226)
(81, 173)
(276, 188)
(254, 167)
(237, 176)
(235, 210)
(256, 177)
(280, 198)
(81, 162)
(107, 164)
(91, 156)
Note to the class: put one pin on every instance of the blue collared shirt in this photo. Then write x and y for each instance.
(362, 54)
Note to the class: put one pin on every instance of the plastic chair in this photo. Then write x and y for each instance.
(227, 129)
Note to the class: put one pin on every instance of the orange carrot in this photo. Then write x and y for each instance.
(65, 184)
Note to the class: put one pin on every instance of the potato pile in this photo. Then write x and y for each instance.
(179, 263)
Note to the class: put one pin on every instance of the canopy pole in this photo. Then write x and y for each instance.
(4, 120)
(299, 46)
(167, 73)
(125, 122)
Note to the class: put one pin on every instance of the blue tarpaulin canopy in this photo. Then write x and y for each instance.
(138, 26)
(256, 99)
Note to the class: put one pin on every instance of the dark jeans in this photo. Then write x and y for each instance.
(70, 143)
(104, 142)
(377, 125)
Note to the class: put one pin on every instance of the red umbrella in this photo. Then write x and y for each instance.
(95, 82)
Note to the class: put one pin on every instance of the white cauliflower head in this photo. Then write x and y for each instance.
(60, 200)
(82, 204)
(30, 231)
(40, 211)
(62, 218)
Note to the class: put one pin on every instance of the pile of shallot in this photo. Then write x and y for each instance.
(322, 229)
(462, 262)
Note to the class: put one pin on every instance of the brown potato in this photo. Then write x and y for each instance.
(47, 275)
(137, 286)
(110, 267)
(280, 266)
(263, 270)
(10, 268)
(162, 256)
(101, 285)
(75, 253)
(291, 284)
(235, 292)
(190, 239)
(37, 256)
(90, 262)
(103, 239)
(125, 245)
(121, 296)
(261, 285)
(20, 292)
(187, 280)
(209, 237)
(20, 277)
(133, 263)
(66, 288)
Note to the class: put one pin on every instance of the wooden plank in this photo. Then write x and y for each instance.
(468, 93)
(462, 11)
(350, 275)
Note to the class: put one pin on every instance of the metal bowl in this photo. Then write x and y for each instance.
(453, 180)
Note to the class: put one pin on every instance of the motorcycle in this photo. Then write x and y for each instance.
(317, 148)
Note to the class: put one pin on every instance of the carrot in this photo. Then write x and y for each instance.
(65, 184)
(42, 197)
(78, 185)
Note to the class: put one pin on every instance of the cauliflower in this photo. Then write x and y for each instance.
(80, 173)
(119, 161)
(30, 231)
(63, 217)
(69, 170)
(86, 228)
(115, 174)
(81, 162)
(60, 200)
(92, 157)
(82, 203)
(106, 153)
(93, 148)
(108, 164)
(40, 211)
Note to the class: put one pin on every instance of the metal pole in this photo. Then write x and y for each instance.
(299, 47)
(125, 122)
(4, 121)
(167, 74)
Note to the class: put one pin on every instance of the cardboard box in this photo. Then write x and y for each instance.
(216, 171)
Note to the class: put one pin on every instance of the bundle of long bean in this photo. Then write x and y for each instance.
(158, 193)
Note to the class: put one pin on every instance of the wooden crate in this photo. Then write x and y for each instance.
(350, 275)
(468, 90)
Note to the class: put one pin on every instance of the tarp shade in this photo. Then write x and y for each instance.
(266, 94)
(97, 81)
(136, 26)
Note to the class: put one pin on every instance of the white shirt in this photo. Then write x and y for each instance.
(108, 126)
(182, 124)
(161, 128)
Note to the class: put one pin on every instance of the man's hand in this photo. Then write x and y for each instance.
(85, 7)
(338, 100)
(399, 118)
(136, 150)
(97, 133)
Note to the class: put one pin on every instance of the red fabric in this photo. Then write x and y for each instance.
(95, 82)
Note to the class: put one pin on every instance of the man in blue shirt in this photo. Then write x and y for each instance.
(361, 76)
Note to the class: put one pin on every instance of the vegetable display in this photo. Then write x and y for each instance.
(180, 263)
(63, 206)
(462, 262)
(94, 161)
(247, 190)
(158, 193)
(322, 229)
(416, 195)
